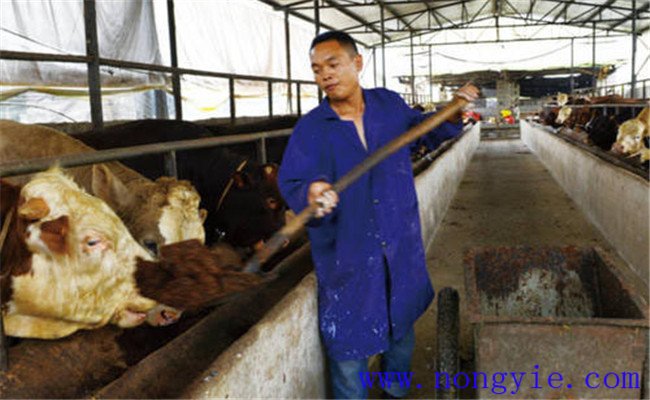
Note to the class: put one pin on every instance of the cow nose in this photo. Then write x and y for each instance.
(151, 246)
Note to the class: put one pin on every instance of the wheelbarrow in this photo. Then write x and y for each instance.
(548, 322)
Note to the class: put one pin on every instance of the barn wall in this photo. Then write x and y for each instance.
(281, 356)
(436, 186)
(615, 200)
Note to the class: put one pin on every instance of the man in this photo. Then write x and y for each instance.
(368, 253)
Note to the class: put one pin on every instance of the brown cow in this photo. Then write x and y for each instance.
(67, 261)
(156, 213)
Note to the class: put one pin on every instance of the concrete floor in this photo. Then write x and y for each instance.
(506, 198)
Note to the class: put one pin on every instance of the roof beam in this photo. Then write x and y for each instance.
(297, 3)
(478, 12)
(413, 12)
(530, 9)
(599, 10)
(397, 15)
(581, 23)
(355, 17)
(509, 40)
(513, 8)
(532, 23)
(437, 19)
(641, 9)
(584, 3)
(551, 10)
(278, 6)
(445, 18)
(464, 16)
(563, 11)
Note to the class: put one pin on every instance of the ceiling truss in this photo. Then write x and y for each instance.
(417, 18)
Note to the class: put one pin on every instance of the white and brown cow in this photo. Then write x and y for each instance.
(632, 135)
(68, 262)
(156, 212)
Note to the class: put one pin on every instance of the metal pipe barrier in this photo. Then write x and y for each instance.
(73, 160)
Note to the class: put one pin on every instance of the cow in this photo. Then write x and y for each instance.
(156, 213)
(549, 115)
(241, 196)
(633, 135)
(68, 262)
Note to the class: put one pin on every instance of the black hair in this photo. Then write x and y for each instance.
(341, 37)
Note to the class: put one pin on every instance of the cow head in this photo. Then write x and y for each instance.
(632, 135)
(563, 115)
(82, 264)
(253, 209)
(157, 213)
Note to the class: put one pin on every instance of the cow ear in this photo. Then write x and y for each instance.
(240, 180)
(34, 209)
(270, 172)
(110, 188)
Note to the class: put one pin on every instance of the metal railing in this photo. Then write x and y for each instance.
(413, 99)
(641, 90)
(73, 160)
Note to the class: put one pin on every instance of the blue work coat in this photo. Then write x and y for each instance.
(368, 254)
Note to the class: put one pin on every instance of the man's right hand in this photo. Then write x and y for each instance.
(321, 193)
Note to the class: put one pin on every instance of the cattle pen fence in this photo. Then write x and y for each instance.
(169, 148)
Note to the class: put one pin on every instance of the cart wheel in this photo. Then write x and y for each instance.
(447, 339)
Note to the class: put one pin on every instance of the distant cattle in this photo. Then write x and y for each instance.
(596, 122)
(156, 213)
(242, 198)
(68, 262)
(633, 135)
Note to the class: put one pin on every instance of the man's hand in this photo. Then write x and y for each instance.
(322, 193)
(468, 92)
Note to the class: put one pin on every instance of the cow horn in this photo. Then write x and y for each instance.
(34, 209)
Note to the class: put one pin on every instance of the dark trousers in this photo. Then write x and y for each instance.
(347, 376)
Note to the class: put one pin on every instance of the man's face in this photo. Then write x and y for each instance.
(336, 71)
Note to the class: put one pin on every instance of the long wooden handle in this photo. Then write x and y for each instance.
(283, 235)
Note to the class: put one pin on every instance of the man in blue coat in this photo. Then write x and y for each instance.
(366, 245)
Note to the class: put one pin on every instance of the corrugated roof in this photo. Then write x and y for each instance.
(451, 21)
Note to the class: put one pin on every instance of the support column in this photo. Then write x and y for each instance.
(430, 75)
(383, 47)
(594, 78)
(287, 46)
(92, 51)
(634, 36)
(374, 65)
(317, 24)
(176, 79)
(412, 71)
(571, 82)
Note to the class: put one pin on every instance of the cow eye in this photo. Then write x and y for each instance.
(92, 242)
(151, 246)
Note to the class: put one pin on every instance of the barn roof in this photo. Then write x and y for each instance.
(468, 21)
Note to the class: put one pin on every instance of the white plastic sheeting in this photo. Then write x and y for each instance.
(240, 37)
(232, 36)
(125, 30)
